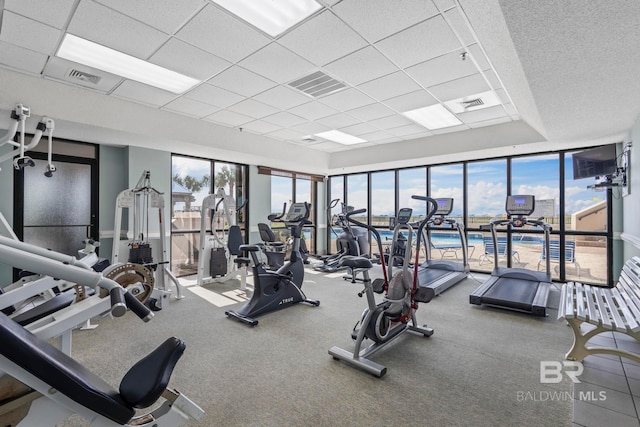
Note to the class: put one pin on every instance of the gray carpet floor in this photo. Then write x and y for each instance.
(481, 367)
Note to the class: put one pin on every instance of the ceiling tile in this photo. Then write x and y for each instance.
(241, 81)
(22, 59)
(284, 119)
(190, 107)
(482, 114)
(376, 19)
(51, 12)
(442, 69)
(388, 140)
(491, 122)
(107, 27)
(411, 101)
(229, 118)
(376, 136)
(460, 87)
(493, 80)
(282, 97)
(361, 66)
(30, 34)
(286, 134)
(168, 18)
(389, 86)
(390, 122)
(260, 126)
(179, 56)
(404, 51)
(511, 110)
(371, 112)
(451, 129)
(338, 120)
(479, 56)
(252, 108)
(459, 26)
(503, 96)
(313, 110)
(359, 129)
(347, 99)
(322, 39)
(213, 95)
(220, 33)
(143, 93)
(411, 129)
(444, 4)
(310, 128)
(277, 63)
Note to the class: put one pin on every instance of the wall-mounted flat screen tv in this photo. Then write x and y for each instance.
(595, 162)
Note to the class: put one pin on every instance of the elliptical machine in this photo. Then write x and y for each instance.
(352, 241)
(274, 290)
(384, 322)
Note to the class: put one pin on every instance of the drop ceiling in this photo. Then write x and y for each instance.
(536, 72)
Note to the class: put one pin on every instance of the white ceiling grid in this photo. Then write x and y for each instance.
(391, 58)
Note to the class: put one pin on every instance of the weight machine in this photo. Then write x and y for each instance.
(44, 386)
(139, 201)
(220, 253)
(19, 116)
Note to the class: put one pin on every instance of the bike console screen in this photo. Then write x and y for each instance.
(297, 212)
(404, 215)
(445, 206)
(520, 205)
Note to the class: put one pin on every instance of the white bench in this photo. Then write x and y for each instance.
(614, 309)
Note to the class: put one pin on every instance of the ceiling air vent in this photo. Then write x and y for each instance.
(472, 103)
(317, 84)
(85, 77)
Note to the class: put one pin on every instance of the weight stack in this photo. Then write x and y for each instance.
(140, 253)
(218, 262)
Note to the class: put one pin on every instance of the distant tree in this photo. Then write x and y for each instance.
(224, 177)
(190, 183)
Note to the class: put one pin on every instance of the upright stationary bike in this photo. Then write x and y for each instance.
(273, 290)
(385, 321)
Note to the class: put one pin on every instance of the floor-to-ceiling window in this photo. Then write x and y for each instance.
(579, 216)
(191, 183)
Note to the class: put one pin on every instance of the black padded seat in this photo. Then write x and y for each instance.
(242, 261)
(250, 248)
(355, 262)
(56, 303)
(142, 385)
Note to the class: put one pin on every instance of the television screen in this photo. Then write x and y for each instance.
(595, 162)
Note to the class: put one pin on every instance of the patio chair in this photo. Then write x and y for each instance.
(451, 249)
(489, 249)
(555, 255)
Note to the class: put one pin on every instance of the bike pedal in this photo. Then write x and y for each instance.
(424, 294)
(378, 286)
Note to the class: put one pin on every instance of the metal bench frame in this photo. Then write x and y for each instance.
(615, 309)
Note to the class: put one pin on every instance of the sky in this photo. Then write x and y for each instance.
(537, 175)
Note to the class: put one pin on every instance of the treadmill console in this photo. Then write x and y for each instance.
(520, 205)
(445, 206)
(404, 215)
(297, 212)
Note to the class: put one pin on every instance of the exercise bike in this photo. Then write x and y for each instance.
(274, 290)
(383, 322)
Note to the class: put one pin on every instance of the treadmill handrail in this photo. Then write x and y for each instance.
(546, 228)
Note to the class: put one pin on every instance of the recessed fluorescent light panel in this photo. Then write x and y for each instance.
(433, 117)
(91, 54)
(340, 137)
(271, 16)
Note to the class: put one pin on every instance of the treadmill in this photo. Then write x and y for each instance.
(442, 274)
(516, 289)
